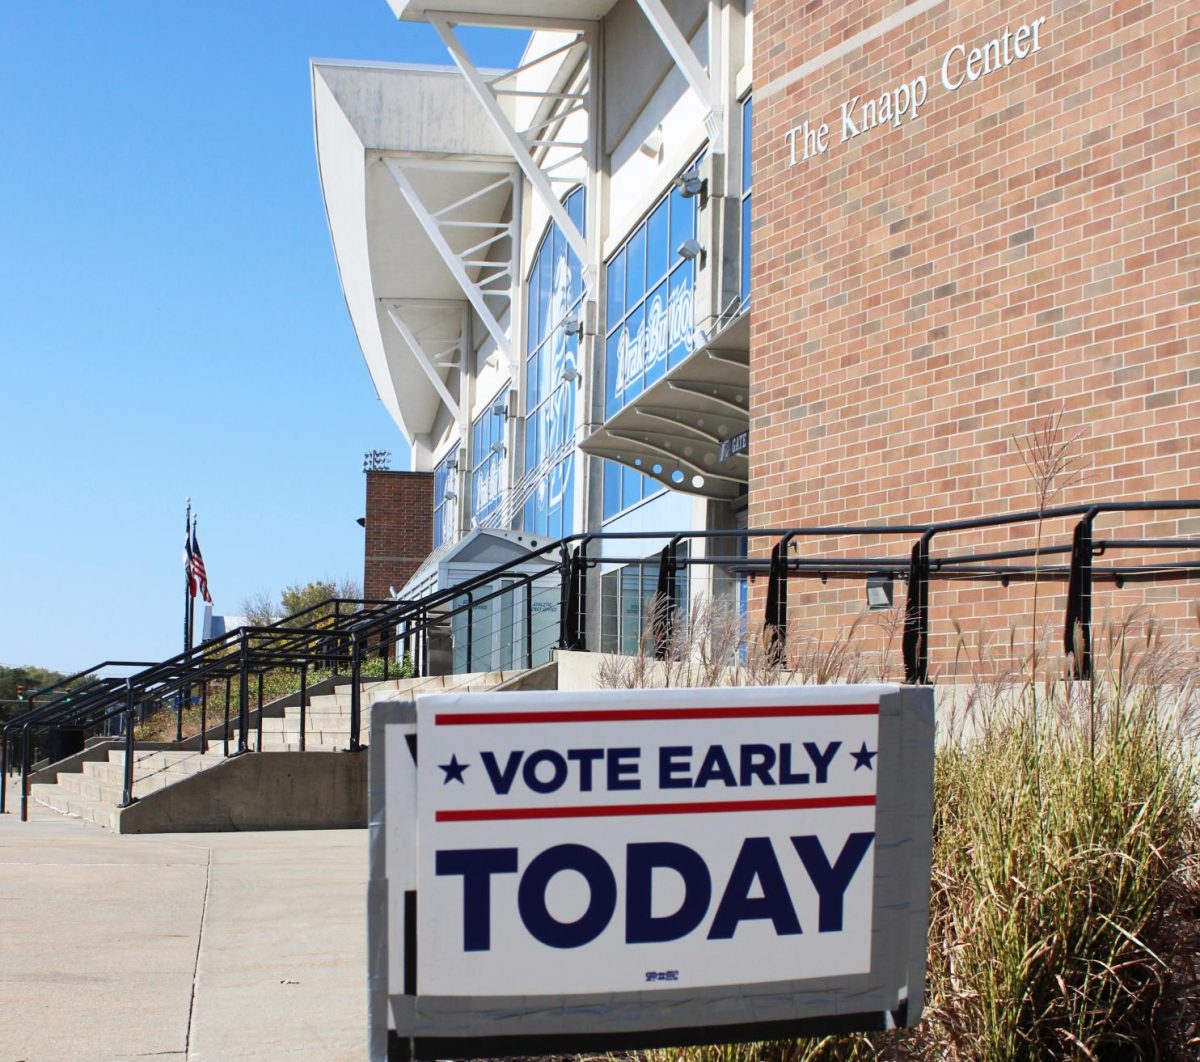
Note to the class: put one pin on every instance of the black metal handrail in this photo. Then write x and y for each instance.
(558, 573)
(101, 701)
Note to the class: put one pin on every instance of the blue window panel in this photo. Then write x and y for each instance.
(635, 267)
(532, 318)
(533, 393)
(631, 376)
(568, 502)
(681, 313)
(575, 206)
(531, 443)
(747, 144)
(616, 288)
(658, 252)
(545, 289)
(611, 403)
(658, 337)
(612, 489)
(631, 486)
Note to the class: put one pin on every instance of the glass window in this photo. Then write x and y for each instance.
(651, 290)
(625, 486)
(445, 498)
(747, 179)
(627, 605)
(555, 293)
(487, 460)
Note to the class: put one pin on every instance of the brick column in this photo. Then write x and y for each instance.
(399, 529)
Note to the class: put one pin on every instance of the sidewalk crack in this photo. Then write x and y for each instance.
(187, 1043)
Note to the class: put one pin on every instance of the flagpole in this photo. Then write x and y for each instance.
(187, 585)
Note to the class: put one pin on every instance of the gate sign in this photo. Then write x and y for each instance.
(612, 869)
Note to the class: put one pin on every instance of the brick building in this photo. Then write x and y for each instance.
(398, 529)
(701, 265)
(969, 217)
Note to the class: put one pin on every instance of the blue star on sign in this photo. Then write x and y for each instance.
(862, 758)
(454, 771)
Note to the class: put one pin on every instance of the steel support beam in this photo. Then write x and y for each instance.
(685, 57)
(476, 293)
(410, 337)
(518, 144)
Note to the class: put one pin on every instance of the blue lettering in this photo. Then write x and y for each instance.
(501, 780)
(755, 862)
(821, 759)
(641, 926)
(786, 777)
(715, 767)
(476, 867)
(757, 761)
(674, 760)
(618, 768)
(558, 768)
(585, 758)
(831, 882)
(531, 896)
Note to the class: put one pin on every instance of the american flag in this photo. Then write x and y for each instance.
(198, 569)
(189, 568)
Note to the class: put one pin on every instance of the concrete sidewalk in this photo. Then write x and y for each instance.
(205, 947)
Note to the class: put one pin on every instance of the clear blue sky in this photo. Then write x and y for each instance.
(171, 322)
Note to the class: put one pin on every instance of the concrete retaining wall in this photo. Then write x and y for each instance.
(259, 791)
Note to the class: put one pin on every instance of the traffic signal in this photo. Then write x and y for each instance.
(20, 692)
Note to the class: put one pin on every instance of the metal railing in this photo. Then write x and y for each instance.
(516, 613)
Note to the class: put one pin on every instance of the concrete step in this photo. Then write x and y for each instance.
(341, 705)
(114, 773)
(65, 802)
(93, 793)
(341, 738)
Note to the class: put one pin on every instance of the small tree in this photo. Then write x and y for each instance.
(296, 597)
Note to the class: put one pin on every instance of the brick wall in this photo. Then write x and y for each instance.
(924, 293)
(399, 529)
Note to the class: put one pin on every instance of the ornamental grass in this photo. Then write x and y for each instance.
(1065, 899)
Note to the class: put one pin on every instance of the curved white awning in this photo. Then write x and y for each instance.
(370, 119)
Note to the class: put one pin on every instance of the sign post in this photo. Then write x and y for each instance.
(636, 868)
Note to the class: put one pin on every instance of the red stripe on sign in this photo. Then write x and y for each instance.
(597, 811)
(621, 715)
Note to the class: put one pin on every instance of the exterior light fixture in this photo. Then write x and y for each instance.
(573, 326)
(691, 249)
(498, 447)
(879, 592)
(690, 185)
(570, 374)
(451, 494)
(653, 143)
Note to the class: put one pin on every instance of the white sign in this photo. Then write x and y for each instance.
(646, 846)
(646, 867)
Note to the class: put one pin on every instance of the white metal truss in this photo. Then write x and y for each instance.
(551, 158)
(437, 333)
(485, 270)
(701, 82)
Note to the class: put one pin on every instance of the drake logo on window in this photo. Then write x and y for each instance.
(663, 327)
